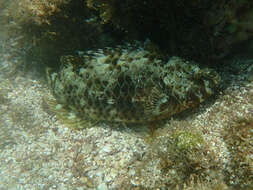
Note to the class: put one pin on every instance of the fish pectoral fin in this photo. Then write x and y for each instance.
(68, 118)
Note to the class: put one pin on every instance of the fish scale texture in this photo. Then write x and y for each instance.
(129, 84)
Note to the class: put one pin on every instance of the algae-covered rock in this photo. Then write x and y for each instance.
(238, 137)
(210, 28)
(239, 17)
(182, 158)
(181, 27)
(130, 84)
(47, 29)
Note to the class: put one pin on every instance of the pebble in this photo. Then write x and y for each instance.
(102, 186)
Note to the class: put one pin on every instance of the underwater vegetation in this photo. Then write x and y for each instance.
(185, 159)
(130, 84)
(51, 28)
(27, 12)
(238, 136)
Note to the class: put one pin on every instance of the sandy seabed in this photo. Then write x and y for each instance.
(38, 152)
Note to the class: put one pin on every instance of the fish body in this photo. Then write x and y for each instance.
(130, 85)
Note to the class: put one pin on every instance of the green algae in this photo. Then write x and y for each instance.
(187, 141)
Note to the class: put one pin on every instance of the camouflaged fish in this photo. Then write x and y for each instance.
(130, 85)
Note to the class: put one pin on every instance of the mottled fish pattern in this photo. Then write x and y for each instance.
(129, 84)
